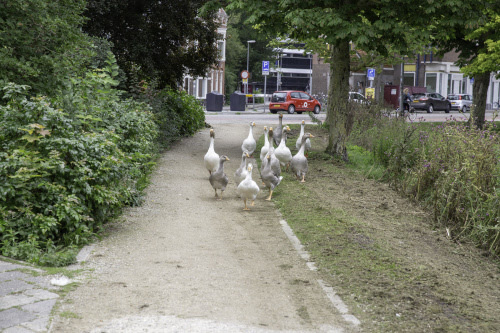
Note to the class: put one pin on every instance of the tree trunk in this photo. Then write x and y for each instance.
(339, 117)
(480, 93)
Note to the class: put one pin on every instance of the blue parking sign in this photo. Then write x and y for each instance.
(371, 73)
(265, 66)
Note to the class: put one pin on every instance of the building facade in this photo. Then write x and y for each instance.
(436, 74)
(214, 81)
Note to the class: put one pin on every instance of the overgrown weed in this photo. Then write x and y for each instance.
(449, 167)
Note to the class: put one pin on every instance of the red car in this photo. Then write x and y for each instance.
(293, 100)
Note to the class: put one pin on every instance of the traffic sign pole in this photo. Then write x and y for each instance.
(265, 72)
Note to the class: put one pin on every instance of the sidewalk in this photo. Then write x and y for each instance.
(28, 295)
(26, 298)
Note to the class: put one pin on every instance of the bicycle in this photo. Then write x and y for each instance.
(409, 113)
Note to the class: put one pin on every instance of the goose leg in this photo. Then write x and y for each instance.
(303, 176)
(253, 203)
(246, 208)
(221, 192)
(216, 193)
(270, 195)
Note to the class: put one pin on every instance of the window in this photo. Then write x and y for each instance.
(431, 81)
(409, 79)
(220, 50)
(304, 96)
(295, 95)
(279, 97)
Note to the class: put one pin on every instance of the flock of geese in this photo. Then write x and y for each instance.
(272, 160)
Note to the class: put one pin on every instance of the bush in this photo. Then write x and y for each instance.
(176, 113)
(69, 164)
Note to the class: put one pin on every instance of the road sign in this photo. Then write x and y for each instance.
(244, 75)
(371, 73)
(265, 68)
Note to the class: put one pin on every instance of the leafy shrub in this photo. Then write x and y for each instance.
(176, 113)
(68, 164)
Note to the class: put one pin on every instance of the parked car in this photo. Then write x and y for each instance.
(357, 97)
(460, 102)
(293, 100)
(430, 102)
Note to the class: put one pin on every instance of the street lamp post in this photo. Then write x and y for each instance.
(248, 60)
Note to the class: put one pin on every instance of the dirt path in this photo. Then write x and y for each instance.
(186, 262)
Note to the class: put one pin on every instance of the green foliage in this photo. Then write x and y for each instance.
(449, 167)
(156, 40)
(238, 33)
(68, 164)
(176, 113)
(41, 42)
(488, 59)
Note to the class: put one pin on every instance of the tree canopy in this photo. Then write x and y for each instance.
(238, 33)
(472, 31)
(380, 26)
(41, 42)
(156, 40)
(384, 27)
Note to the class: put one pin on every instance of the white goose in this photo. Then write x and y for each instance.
(275, 163)
(279, 129)
(299, 163)
(211, 157)
(241, 172)
(249, 144)
(282, 152)
(248, 188)
(299, 139)
(265, 147)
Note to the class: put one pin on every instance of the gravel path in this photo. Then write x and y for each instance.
(184, 262)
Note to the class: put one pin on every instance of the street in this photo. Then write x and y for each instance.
(262, 116)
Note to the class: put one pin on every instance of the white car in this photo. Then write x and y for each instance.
(460, 102)
(357, 97)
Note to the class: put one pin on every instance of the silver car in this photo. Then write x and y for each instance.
(460, 102)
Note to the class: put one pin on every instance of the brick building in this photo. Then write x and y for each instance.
(214, 79)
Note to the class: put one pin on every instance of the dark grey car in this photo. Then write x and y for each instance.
(430, 102)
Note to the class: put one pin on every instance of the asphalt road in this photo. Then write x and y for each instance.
(262, 116)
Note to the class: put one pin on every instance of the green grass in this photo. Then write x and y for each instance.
(359, 253)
